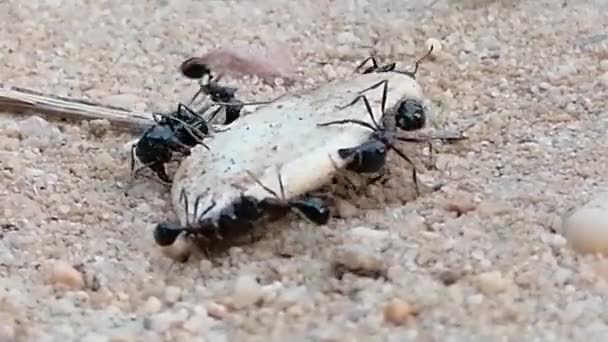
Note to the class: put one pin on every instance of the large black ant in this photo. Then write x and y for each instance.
(237, 219)
(370, 156)
(225, 96)
(176, 132)
(391, 67)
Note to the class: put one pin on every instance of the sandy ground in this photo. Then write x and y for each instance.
(528, 80)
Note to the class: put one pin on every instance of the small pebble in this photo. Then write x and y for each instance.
(65, 275)
(492, 282)
(152, 305)
(358, 261)
(247, 291)
(586, 229)
(172, 294)
(460, 204)
(399, 312)
(216, 310)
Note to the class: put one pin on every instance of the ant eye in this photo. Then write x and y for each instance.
(164, 235)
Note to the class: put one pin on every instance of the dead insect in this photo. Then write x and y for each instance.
(312, 208)
(370, 156)
(390, 67)
(176, 132)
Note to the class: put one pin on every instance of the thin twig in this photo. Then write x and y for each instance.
(25, 101)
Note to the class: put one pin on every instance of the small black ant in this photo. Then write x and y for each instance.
(225, 96)
(390, 67)
(370, 156)
(312, 208)
(176, 132)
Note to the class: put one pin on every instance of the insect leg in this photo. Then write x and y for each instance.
(374, 64)
(414, 173)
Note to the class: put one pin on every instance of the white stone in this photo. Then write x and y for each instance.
(586, 229)
(247, 291)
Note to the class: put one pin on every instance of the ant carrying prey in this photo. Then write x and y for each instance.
(237, 218)
(370, 156)
(176, 132)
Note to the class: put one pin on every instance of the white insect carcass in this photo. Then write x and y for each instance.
(283, 136)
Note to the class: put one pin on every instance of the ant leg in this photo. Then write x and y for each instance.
(422, 59)
(133, 158)
(197, 94)
(214, 114)
(159, 168)
(191, 130)
(384, 92)
(182, 107)
(412, 74)
(339, 122)
(183, 197)
(368, 107)
(281, 183)
(414, 172)
(208, 209)
(257, 180)
(387, 67)
(374, 64)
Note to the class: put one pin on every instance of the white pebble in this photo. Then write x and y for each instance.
(586, 229)
(152, 305)
(172, 294)
(247, 291)
(65, 275)
(492, 282)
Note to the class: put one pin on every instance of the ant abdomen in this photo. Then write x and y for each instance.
(166, 233)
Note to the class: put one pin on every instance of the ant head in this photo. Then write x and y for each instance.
(166, 233)
(410, 115)
(194, 67)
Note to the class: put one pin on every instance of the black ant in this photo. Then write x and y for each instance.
(237, 219)
(370, 156)
(390, 67)
(312, 208)
(176, 132)
(224, 96)
(234, 220)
